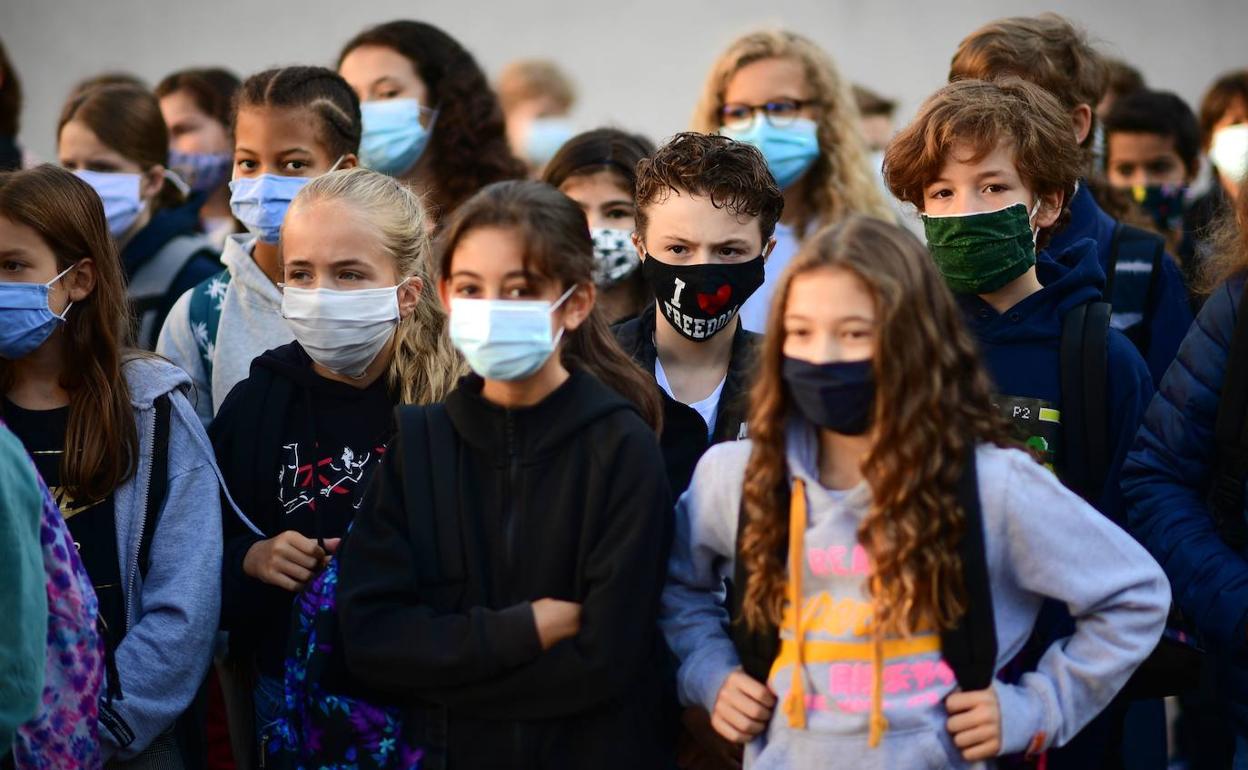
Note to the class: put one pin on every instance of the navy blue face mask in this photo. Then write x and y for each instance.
(837, 396)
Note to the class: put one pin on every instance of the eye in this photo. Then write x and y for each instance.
(678, 249)
(995, 187)
(296, 165)
(943, 192)
(12, 266)
(246, 165)
(300, 276)
(349, 275)
(519, 291)
(736, 115)
(389, 93)
(620, 213)
(799, 333)
(728, 251)
(782, 108)
(465, 290)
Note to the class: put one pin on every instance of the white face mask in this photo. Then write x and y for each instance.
(1229, 152)
(342, 331)
(504, 339)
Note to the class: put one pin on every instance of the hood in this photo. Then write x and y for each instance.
(1087, 220)
(1070, 278)
(245, 272)
(149, 377)
(532, 431)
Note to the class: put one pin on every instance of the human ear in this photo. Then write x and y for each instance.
(639, 246)
(578, 305)
(409, 295)
(1082, 117)
(80, 281)
(348, 161)
(1050, 210)
(153, 180)
(769, 247)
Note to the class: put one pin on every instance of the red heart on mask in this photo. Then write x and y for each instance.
(711, 304)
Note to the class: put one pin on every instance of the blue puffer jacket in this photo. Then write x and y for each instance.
(1165, 479)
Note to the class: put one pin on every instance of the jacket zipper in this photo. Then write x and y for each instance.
(147, 490)
(511, 502)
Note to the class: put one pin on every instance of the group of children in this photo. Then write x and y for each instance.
(689, 456)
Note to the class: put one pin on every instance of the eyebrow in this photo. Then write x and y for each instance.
(12, 252)
(739, 243)
(383, 79)
(617, 202)
(337, 265)
(513, 274)
(293, 150)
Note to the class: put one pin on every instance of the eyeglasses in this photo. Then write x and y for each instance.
(779, 113)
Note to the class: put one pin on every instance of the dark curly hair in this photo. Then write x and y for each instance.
(468, 147)
(734, 175)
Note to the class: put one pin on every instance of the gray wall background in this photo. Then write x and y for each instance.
(638, 64)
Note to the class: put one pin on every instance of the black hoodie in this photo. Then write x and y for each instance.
(296, 450)
(566, 499)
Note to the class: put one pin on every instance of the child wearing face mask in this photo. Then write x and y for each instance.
(706, 208)
(782, 93)
(299, 438)
(502, 578)
(992, 167)
(111, 431)
(430, 116)
(290, 125)
(114, 137)
(197, 105)
(881, 581)
(598, 170)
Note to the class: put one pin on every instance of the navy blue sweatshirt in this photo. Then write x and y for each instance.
(1022, 349)
(1169, 317)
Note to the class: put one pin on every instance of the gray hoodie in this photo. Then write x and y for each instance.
(1041, 541)
(251, 323)
(171, 615)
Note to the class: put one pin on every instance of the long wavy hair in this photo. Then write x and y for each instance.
(425, 366)
(468, 147)
(931, 410)
(101, 440)
(557, 246)
(840, 182)
(1228, 247)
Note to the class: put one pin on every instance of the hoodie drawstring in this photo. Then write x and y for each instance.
(795, 701)
(794, 706)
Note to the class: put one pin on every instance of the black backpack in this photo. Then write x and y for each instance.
(970, 649)
(1174, 665)
(1130, 290)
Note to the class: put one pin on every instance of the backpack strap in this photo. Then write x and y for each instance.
(148, 288)
(1084, 361)
(756, 649)
(1230, 431)
(430, 453)
(1133, 296)
(158, 485)
(970, 647)
(205, 316)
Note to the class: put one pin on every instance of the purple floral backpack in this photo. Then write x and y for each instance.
(65, 733)
(318, 729)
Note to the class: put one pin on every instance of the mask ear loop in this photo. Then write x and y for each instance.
(62, 274)
(555, 306)
(1035, 231)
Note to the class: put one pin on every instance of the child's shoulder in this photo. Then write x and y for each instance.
(723, 466)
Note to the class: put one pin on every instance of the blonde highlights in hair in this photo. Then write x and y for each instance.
(425, 367)
(840, 182)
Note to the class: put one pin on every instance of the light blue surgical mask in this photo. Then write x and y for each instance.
(260, 202)
(394, 135)
(120, 194)
(789, 150)
(544, 138)
(26, 321)
(504, 339)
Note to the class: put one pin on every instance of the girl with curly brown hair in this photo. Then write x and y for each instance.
(844, 513)
(430, 116)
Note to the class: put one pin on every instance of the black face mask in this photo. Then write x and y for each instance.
(700, 300)
(839, 396)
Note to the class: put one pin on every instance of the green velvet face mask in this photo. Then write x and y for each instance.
(981, 253)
